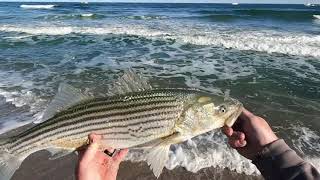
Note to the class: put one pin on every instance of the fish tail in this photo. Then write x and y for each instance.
(9, 162)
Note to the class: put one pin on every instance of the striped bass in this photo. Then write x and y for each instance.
(132, 115)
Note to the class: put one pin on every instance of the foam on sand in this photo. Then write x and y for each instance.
(49, 6)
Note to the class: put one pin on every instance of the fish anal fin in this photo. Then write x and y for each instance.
(66, 97)
(57, 153)
(9, 163)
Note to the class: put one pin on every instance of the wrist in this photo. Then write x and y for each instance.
(268, 150)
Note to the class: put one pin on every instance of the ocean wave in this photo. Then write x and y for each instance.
(268, 41)
(20, 91)
(26, 100)
(73, 16)
(222, 17)
(87, 15)
(26, 6)
(147, 17)
(285, 15)
(306, 141)
(290, 44)
(129, 30)
(316, 16)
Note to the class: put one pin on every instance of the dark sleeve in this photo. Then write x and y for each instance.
(278, 161)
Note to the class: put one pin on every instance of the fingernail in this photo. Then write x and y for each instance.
(243, 143)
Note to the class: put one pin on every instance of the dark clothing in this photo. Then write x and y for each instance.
(278, 161)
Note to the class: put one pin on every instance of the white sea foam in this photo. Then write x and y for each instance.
(208, 150)
(211, 150)
(27, 6)
(20, 97)
(307, 140)
(147, 17)
(87, 15)
(139, 31)
(17, 37)
(316, 16)
(270, 42)
(39, 30)
(293, 45)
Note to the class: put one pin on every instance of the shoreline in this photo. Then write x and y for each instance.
(38, 167)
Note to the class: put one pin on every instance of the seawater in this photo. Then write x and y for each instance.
(267, 56)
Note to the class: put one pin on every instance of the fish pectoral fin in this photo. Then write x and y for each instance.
(57, 153)
(66, 97)
(157, 158)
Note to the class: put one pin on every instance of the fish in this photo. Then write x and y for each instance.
(131, 114)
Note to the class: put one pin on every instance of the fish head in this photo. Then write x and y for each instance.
(211, 112)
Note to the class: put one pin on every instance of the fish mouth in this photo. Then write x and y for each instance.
(234, 116)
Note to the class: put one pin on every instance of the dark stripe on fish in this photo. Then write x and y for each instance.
(71, 127)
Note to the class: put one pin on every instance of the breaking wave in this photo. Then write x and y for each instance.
(147, 17)
(270, 42)
(25, 6)
(290, 44)
(73, 16)
(222, 17)
(139, 31)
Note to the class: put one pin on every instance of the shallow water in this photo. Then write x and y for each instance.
(267, 56)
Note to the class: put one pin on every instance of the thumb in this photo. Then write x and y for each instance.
(93, 147)
(91, 151)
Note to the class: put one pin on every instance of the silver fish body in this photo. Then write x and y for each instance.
(127, 120)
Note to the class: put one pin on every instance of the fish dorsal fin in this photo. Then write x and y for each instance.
(66, 97)
(129, 82)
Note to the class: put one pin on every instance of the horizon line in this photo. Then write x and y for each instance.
(143, 2)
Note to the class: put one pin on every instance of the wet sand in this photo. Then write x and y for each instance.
(39, 167)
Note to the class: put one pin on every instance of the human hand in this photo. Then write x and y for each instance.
(95, 164)
(249, 134)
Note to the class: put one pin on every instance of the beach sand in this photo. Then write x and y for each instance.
(39, 167)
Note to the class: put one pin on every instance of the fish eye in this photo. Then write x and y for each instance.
(222, 109)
